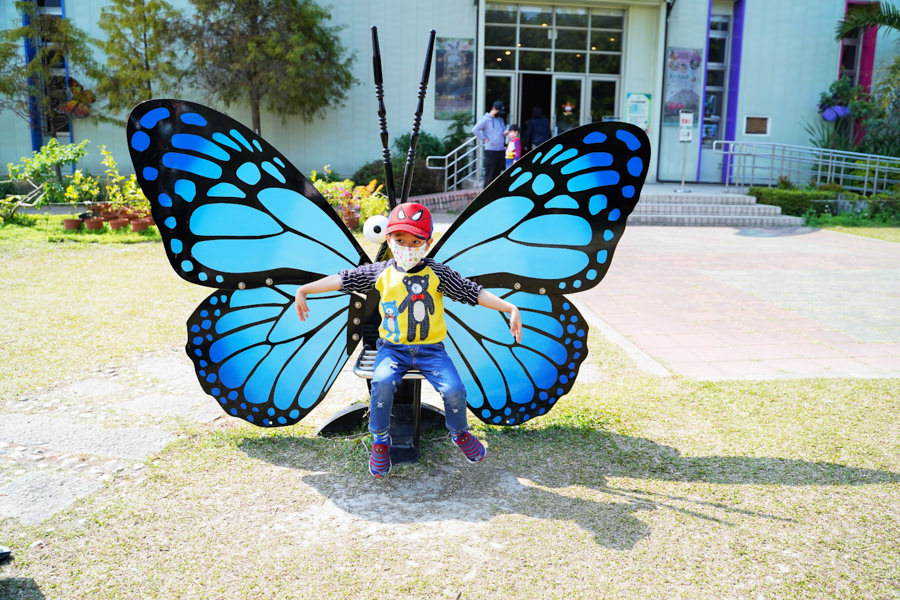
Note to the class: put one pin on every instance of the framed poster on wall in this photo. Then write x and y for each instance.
(453, 73)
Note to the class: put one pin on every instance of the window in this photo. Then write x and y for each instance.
(756, 126)
(545, 39)
(716, 79)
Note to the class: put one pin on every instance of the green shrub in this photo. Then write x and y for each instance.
(425, 180)
(797, 202)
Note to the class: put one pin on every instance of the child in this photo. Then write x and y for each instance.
(514, 147)
(412, 290)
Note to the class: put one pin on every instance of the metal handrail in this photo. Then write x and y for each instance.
(763, 164)
(459, 165)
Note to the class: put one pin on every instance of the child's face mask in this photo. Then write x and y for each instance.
(406, 257)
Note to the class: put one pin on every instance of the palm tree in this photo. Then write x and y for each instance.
(882, 14)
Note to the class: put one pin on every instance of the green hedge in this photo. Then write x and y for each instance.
(797, 202)
(805, 203)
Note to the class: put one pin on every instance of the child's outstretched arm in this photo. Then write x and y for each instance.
(489, 300)
(332, 283)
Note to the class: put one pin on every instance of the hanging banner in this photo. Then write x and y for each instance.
(684, 83)
(453, 74)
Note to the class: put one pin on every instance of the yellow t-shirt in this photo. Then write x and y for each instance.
(412, 303)
(412, 310)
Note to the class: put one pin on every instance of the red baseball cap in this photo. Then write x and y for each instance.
(410, 217)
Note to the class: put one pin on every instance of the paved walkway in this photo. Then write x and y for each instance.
(723, 303)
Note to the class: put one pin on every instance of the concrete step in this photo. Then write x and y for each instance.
(657, 198)
(706, 209)
(686, 220)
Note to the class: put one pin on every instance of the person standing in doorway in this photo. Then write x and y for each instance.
(491, 129)
(537, 129)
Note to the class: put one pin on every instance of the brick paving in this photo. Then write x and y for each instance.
(723, 303)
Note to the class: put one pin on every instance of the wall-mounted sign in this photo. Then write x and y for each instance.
(685, 126)
(638, 110)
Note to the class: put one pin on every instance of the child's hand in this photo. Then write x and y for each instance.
(515, 324)
(300, 302)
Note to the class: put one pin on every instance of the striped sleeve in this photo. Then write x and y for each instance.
(362, 278)
(455, 286)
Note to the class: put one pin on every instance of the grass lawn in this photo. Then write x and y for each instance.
(634, 486)
(888, 234)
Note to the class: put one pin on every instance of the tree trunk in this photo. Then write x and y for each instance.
(254, 108)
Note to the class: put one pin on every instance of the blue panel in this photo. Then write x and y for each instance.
(595, 137)
(520, 181)
(588, 181)
(225, 190)
(225, 141)
(186, 189)
(260, 255)
(571, 152)
(568, 230)
(529, 261)
(301, 214)
(232, 220)
(588, 161)
(255, 315)
(249, 173)
(635, 166)
(189, 141)
(153, 117)
(193, 119)
(140, 141)
(273, 171)
(542, 370)
(630, 140)
(192, 164)
(563, 202)
(235, 370)
(597, 203)
(543, 184)
(494, 219)
(237, 135)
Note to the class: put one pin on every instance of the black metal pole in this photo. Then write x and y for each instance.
(420, 107)
(382, 120)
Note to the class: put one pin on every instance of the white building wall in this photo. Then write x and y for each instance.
(344, 136)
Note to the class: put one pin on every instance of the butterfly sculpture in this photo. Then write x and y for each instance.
(235, 215)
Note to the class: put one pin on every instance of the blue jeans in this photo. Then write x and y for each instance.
(393, 360)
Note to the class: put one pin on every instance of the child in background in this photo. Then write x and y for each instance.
(412, 289)
(514, 146)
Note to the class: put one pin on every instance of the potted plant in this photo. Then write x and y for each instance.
(82, 189)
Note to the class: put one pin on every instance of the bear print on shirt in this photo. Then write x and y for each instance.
(418, 305)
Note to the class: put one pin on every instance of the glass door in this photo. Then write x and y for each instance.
(604, 93)
(568, 105)
(499, 87)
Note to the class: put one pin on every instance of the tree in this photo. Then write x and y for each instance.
(141, 58)
(883, 14)
(274, 53)
(48, 79)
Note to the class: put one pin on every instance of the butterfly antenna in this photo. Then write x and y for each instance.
(382, 119)
(414, 138)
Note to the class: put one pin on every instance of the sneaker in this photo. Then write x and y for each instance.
(380, 459)
(470, 446)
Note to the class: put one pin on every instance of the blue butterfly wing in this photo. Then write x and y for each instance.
(262, 364)
(508, 383)
(232, 211)
(551, 222)
(548, 225)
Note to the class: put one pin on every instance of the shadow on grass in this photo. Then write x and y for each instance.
(20, 587)
(543, 474)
